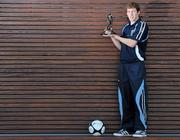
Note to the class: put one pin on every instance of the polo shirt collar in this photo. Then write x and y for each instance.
(134, 22)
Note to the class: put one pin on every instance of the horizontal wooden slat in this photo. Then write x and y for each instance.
(57, 73)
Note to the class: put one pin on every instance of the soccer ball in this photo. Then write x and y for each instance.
(96, 128)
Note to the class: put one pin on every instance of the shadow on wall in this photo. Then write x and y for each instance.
(158, 12)
(158, 17)
(163, 24)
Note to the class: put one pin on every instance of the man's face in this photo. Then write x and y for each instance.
(132, 14)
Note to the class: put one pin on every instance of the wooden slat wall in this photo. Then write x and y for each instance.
(163, 66)
(57, 73)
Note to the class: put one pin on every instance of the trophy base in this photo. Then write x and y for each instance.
(107, 33)
(104, 35)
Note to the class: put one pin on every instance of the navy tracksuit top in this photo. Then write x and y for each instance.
(139, 32)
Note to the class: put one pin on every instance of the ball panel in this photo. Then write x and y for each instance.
(97, 134)
(97, 124)
(96, 128)
(103, 129)
(91, 129)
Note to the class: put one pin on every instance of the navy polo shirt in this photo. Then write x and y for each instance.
(139, 32)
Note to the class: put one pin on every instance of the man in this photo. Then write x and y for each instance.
(132, 91)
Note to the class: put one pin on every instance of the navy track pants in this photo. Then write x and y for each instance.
(132, 96)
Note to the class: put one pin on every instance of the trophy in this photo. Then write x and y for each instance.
(108, 29)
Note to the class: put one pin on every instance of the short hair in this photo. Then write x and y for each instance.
(133, 5)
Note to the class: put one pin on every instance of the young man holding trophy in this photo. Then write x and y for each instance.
(132, 91)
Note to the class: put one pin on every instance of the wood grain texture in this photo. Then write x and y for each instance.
(57, 73)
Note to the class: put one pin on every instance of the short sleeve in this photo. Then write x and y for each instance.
(140, 32)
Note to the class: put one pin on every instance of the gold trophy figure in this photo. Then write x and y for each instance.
(108, 29)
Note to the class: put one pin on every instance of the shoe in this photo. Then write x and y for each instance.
(140, 133)
(121, 133)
